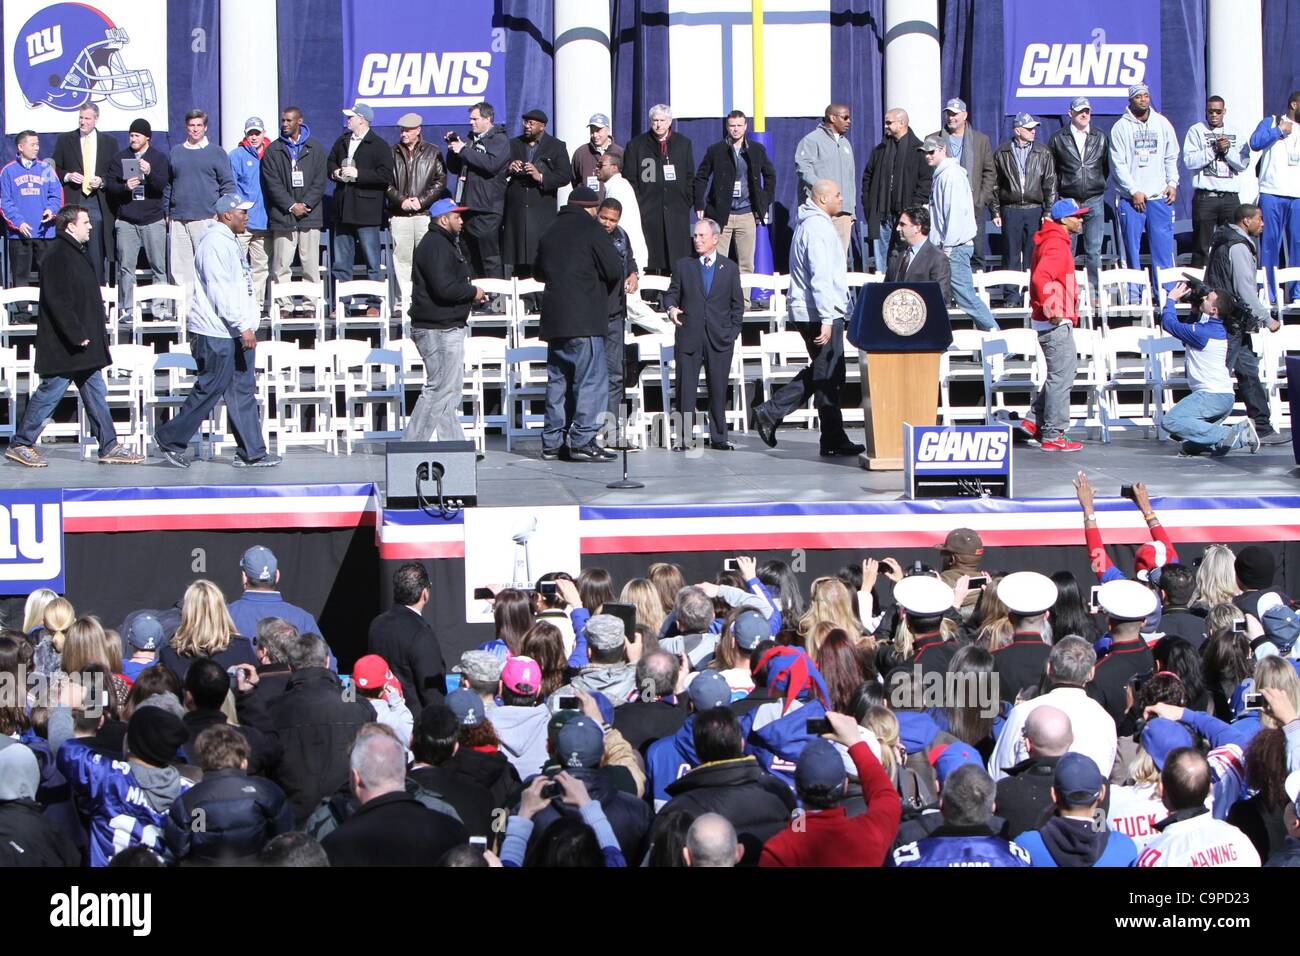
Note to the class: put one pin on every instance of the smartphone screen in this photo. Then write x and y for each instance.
(1094, 605)
(625, 613)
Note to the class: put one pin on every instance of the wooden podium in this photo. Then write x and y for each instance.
(901, 328)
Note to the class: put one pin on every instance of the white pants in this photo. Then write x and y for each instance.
(407, 231)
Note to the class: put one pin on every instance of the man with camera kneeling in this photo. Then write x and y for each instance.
(1195, 421)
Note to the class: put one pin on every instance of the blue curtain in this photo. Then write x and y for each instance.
(1281, 40)
(973, 70)
(641, 79)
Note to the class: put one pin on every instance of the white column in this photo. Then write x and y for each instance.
(250, 68)
(912, 72)
(1236, 57)
(583, 78)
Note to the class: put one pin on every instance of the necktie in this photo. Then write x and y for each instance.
(706, 275)
(87, 166)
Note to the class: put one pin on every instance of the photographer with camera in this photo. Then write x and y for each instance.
(1195, 421)
(1232, 264)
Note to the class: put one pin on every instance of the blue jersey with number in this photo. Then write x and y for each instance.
(108, 795)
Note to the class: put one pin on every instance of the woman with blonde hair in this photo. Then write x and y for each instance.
(1216, 577)
(34, 610)
(642, 594)
(84, 646)
(206, 630)
(56, 620)
(831, 602)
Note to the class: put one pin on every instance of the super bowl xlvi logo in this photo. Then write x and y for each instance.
(445, 78)
(70, 54)
(31, 541)
(1098, 68)
(964, 447)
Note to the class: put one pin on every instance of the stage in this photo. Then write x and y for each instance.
(136, 536)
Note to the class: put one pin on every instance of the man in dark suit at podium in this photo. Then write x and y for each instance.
(706, 304)
(919, 260)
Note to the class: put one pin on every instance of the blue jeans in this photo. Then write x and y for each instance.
(576, 391)
(1281, 221)
(881, 241)
(1093, 232)
(226, 370)
(1195, 420)
(963, 287)
(344, 251)
(1157, 221)
(94, 398)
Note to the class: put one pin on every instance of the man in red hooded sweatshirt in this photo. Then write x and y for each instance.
(1052, 295)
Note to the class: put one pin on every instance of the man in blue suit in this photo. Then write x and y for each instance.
(706, 304)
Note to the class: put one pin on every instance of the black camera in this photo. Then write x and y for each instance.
(1197, 291)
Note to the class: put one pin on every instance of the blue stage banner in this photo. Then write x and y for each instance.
(436, 58)
(1056, 50)
(31, 541)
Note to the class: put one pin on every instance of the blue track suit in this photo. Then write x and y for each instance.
(1144, 158)
(1279, 196)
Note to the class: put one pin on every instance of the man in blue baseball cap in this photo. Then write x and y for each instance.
(825, 835)
(441, 297)
(1071, 838)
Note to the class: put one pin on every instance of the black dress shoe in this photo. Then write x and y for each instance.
(766, 429)
(721, 445)
(591, 452)
(847, 450)
(551, 454)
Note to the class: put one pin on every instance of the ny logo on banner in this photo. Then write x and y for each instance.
(44, 45)
(31, 541)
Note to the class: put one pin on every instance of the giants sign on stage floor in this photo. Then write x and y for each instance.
(436, 57)
(60, 57)
(1058, 49)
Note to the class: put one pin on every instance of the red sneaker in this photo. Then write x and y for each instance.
(1029, 427)
(1060, 444)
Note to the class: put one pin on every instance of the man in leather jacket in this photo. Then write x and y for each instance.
(419, 178)
(1082, 157)
(1026, 188)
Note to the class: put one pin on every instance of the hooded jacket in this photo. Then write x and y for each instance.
(1053, 289)
(27, 838)
(1143, 155)
(629, 816)
(522, 731)
(1072, 841)
(819, 286)
(615, 681)
(126, 803)
(246, 168)
(757, 803)
(489, 769)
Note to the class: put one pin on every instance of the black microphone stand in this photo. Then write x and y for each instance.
(625, 483)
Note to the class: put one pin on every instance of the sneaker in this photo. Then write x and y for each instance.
(1273, 438)
(266, 461)
(1060, 443)
(590, 452)
(1029, 427)
(552, 454)
(120, 456)
(26, 455)
(176, 459)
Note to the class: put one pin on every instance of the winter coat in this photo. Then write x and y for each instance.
(579, 264)
(629, 816)
(153, 207)
(417, 173)
(757, 803)
(278, 190)
(29, 838)
(1080, 177)
(531, 206)
(1036, 188)
(471, 801)
(910, 187)
(441, 296)
(481, 164)
(254, 709)
(361, 201)
(719, 164)
(246, 168)
(665, 206)
(316, 727)
(71, 311)
(1053, 287)
(488, 769)
(522, 731)
(393, 830)
(226, 818)
(644, 721)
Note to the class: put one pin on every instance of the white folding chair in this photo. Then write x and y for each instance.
(1170, 276)
(1128, 370)
(18, 308)
(1116, 288)
(306, 387)
(525, 370)
(1282, 281)
(168, 386)
(1012, 362)
(1012, 280)
(126, 384)
(1090, 377)
(961, 363)
(485, 370)
(1276, 346)
(298, 306)
(1166, 358)
(9, 391)
(778, 285)
(371, 382)
(154, 296)
(364, 289)
(784, 356)
(525, 320)
(504, 289)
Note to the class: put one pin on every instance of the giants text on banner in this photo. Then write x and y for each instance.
(437, 57)
(1058, 49)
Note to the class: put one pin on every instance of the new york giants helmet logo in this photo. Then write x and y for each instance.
(70, 54)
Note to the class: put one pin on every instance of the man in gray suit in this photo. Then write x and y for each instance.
(974, 152)
(919, 260)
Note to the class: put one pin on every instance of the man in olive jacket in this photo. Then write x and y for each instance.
(577, 260)
(72, 345)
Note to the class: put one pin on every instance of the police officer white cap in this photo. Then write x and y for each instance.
(923, 595)
(1027, 592)
(1126, 600)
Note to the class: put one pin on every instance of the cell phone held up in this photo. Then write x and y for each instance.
(1126, 491)
(730, 564)
(1094, 599)
(817, 727)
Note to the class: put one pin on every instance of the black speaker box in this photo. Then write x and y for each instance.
(412, 468)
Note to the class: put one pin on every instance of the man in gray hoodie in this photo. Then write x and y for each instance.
(817, 304)
(521, 720)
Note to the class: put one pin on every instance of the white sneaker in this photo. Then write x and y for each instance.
(1247, 437)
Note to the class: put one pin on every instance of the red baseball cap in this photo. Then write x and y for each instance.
(371, 672)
